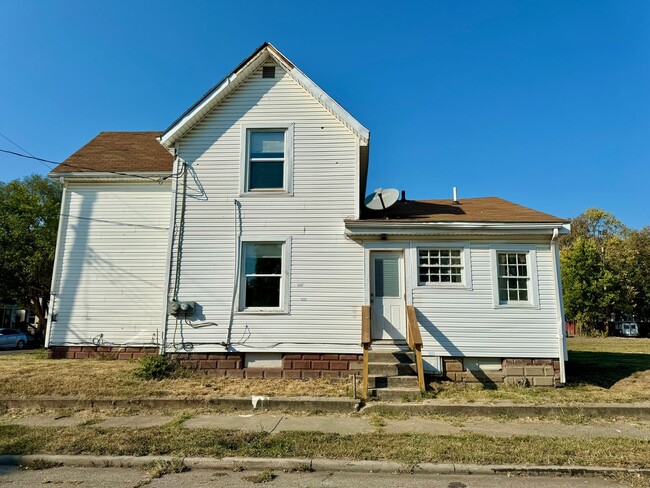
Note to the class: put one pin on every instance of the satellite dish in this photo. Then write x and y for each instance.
(381, 199)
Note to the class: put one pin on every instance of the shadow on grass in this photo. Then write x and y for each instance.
(603, 369)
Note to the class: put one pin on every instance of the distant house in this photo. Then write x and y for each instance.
(238, 238)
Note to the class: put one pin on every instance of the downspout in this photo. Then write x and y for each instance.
(560, 305)
(54, 288)
(170, 250)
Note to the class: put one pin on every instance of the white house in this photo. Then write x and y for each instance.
(238, 240)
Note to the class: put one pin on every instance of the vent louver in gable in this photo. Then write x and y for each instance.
(268, 72)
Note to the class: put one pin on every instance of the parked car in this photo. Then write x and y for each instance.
(12, 338)
(626, 329)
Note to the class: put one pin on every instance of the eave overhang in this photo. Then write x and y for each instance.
(360, 229)
(81, 176)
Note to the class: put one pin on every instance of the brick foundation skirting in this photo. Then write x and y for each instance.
(294, 366)
(514, 372)
(103, 352)
(297, 366)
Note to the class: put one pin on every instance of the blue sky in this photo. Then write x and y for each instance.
(543, 103)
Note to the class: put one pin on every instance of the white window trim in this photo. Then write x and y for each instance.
(289, 128)
(533, 292)
(466, 262)
(285, 280)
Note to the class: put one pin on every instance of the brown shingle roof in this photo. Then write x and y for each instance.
(486, 209)
(126, 152)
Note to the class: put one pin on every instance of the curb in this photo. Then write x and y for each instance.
(298, 404)
(305, 464)
(614, 410)
(334, 405)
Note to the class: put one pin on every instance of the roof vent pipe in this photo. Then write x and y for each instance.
(403, 195)
(456, 202)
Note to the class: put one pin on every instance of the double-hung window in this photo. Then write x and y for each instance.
(267, 159)
(263, 277)
(513, 277)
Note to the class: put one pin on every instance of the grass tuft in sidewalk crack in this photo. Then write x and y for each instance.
(39, 464)
(158, 469)
(262, 477)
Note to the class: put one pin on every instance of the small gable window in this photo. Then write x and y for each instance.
(267, 160)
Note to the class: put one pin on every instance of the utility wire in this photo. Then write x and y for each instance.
(49, 161)
(22, 148)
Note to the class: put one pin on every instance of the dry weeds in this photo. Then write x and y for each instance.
(600, 370)
(33, 375)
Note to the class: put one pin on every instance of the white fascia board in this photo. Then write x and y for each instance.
(107, 174)
(171, 136)
(229, 83)
(353, 229)
(339, 112)
(237, 77)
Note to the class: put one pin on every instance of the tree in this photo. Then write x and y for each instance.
(29, 217)
(638, 247)
(593, 223)
(605, 269)
(586, 283)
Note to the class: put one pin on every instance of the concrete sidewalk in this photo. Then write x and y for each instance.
(355, 425)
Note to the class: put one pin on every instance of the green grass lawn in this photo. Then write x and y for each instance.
(407, 448)
(599, 370)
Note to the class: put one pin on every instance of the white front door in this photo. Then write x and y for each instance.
(388, 317)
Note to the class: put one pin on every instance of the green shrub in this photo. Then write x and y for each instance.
(155, 368)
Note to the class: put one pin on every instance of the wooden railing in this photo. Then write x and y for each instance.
(365, 342)
(414, 340)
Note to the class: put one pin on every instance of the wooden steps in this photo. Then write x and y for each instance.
(392, 375)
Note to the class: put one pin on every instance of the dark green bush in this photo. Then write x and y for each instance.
(155, 368)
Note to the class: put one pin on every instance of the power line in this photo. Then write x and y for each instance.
(22, 148)
(49, 161)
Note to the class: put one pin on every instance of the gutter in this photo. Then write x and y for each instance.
(356, 229)
(555, 258)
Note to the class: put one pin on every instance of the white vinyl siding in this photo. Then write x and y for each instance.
(111, 264)
(459, 321)
(325, 283)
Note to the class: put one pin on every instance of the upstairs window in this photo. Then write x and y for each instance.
(266, 158)
(513, 277)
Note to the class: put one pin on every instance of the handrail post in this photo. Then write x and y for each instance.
(365, 342)
(414, 339)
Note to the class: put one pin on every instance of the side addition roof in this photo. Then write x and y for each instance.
(124, 152)
(222, 89)
(486, 209)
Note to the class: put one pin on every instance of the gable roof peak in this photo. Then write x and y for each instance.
(218, 92)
